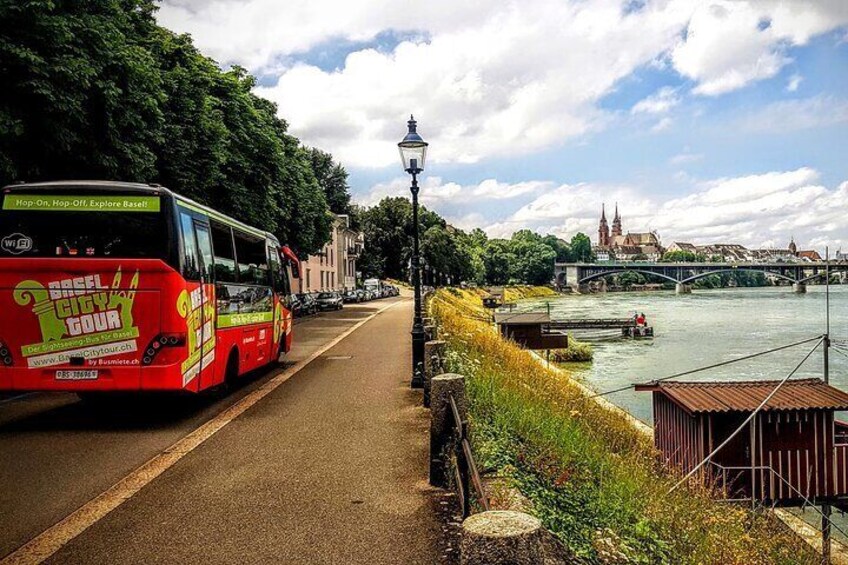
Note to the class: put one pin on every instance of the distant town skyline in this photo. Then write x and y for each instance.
(724, 120)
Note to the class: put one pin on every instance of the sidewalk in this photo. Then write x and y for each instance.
(330, 468)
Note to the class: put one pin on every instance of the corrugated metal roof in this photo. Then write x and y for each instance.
(745, 396)
(531, 318)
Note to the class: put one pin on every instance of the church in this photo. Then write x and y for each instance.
(615, 245)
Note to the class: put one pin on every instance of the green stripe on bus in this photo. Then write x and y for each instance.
(55, 203)
(233, 223)
(233, 320)
(79, 342)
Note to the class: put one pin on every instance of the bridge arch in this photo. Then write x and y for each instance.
(737, 269)
(618, 270)
(811, 277)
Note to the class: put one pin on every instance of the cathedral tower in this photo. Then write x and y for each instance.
(603, 230)
(616, 222)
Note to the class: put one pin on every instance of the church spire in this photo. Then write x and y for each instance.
(616, 222)
(603, 229)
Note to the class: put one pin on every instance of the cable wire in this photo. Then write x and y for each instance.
(749, 418)
(714, 366)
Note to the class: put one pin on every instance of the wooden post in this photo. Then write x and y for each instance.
(442, 422)
(434, 353)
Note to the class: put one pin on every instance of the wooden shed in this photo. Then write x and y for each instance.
(531, 330)
(793, 448)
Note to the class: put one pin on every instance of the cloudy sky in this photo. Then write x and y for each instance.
(706, 120)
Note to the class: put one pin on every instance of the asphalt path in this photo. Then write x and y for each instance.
(57, 453)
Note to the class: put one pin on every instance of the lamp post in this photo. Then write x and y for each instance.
(413, 151)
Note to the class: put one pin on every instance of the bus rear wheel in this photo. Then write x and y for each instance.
(231, 373)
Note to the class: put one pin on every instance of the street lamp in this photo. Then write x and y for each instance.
(413, 151)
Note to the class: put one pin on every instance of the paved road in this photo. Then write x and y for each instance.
(340, 444)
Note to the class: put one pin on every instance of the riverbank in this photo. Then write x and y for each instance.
(591, 476)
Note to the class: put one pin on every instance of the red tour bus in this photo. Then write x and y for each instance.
(110, 286)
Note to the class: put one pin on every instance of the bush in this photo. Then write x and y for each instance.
(576, 352)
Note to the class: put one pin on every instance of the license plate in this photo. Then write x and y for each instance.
(76, 375)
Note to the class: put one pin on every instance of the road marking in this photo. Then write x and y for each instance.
(57, 536)
(17, 397)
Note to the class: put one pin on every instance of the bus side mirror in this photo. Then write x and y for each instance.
(290, 259)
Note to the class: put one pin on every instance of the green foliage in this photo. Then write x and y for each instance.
(455, 255)
(683, 257)
(576, 352)
(332, 178)
(628, 278)
(581, 248)
(96, 89)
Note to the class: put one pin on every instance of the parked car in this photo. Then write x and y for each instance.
(296, 306)
(351, 297)
(363, 296)
(329, 301)
(308, 305)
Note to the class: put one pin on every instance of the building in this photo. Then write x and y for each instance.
(791, 450)
(810, 255)
(334, 268)
(603, 230)
(615, 245)
(685, 247)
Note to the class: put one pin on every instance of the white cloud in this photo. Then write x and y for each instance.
(490, 78)
(658, 103)
(794, 82)
(731, 43)
(662, 125)
(686, 156)
(434, 191)
(793, 115)
(752, 210)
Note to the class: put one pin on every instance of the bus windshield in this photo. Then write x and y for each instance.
(35, 225)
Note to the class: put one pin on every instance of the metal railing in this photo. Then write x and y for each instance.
(466, 473)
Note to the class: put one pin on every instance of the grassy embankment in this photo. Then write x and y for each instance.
(591, 476)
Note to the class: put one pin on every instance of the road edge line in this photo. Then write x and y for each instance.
(54, 538)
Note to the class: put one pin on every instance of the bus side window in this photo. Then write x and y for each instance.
(252, 261)
(279, 275)
(204, 243)
(225, 259)
(191, 265)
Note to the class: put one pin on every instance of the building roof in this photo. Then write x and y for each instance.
(522, 318)
(745, 396)
(810, 254)
(642, 238)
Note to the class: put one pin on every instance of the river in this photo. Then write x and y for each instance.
(703, 328)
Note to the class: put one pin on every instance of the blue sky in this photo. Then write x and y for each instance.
(705, 120)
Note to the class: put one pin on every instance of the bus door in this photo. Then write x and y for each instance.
(282, 312)
(207, 313)
(196, 304)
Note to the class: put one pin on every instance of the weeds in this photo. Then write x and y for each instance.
(592, 478)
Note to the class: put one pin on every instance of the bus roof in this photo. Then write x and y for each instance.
(120, 186)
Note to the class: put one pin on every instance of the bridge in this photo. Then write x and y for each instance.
(578, 275)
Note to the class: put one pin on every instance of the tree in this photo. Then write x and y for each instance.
(498, 258)
(628, 278)
(97, 89)
(332, 178)
(681, 256)
(560, 247)
(581, 248)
